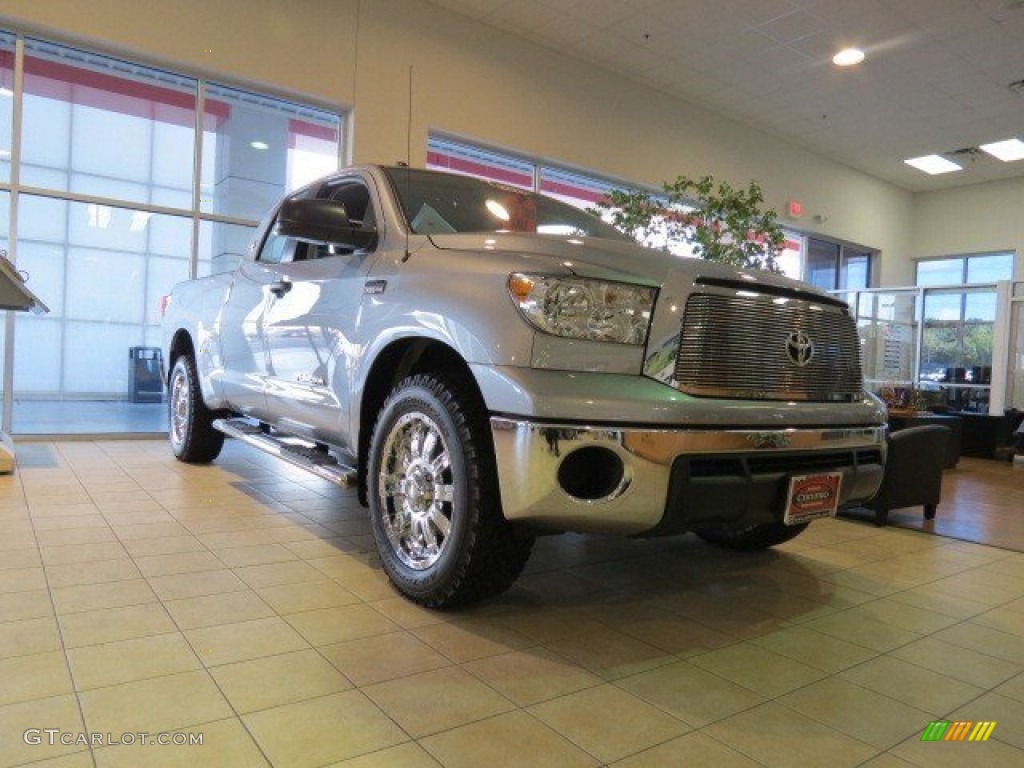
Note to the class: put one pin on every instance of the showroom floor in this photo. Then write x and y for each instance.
(241, 602)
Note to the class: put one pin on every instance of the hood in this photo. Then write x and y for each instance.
(608, 259)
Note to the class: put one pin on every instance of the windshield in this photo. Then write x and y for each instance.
(443, 203)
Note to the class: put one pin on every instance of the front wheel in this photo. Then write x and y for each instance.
(193, 438)
(434, 501)
(753, 538)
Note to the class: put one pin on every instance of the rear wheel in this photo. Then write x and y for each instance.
(193, 438)
(434, 501)
(752, 538)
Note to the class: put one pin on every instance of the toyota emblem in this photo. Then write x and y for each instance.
(799, 348)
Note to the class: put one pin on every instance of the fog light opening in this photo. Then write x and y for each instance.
(591, 473)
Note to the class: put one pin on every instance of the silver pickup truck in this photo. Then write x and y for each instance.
(486, 364)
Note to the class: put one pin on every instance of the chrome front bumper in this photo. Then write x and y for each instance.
(660, 492)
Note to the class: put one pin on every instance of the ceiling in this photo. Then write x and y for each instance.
(936, 78)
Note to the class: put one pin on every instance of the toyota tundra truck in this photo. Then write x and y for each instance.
(486, 365)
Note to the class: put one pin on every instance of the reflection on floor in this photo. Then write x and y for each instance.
(242, 601)
(87, 417)
(982, 501)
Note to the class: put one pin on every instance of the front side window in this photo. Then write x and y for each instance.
(437, 203)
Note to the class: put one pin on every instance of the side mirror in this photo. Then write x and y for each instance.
(322, 222)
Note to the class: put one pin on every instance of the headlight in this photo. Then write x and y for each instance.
(579, 308)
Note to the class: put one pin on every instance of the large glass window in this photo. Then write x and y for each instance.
(255, 148)
(6, 103)
(832, 266)
(108, 221)
(965, 270)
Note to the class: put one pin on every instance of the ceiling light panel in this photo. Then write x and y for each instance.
(933, 164)
(1008, 151)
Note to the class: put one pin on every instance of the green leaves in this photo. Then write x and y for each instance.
(728, 225)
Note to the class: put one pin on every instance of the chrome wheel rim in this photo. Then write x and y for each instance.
(416, 490)
(179, 401)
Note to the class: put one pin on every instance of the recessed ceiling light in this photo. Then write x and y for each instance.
(933, 164)
(1007, 151)
(259, 145)
(848, 57)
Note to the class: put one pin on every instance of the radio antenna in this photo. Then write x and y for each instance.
(408, 163)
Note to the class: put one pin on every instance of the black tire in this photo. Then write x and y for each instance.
(193, 438)
(435, 508)
(753, 538)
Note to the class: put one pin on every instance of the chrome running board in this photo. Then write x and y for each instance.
(305, 456)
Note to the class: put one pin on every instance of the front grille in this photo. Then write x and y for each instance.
(736, 346)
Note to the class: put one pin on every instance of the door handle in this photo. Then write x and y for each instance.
(280, 287)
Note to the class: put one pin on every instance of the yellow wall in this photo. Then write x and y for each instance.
(474, 81)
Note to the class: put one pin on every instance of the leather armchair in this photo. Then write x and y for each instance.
(913, 472)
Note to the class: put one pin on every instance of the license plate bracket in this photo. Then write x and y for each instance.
(812, 496)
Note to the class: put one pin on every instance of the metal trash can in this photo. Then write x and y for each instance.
(144, 372)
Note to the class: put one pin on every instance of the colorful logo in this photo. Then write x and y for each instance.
(958, 730)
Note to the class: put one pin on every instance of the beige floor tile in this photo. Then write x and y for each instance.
(692, 694)
(232, 539)
(531, 676)
(89, 597)
(12, 559)
(17, 539)
(862, 630)
(776, 736)
(68, 522)
(274, 574)
(162, 703)
(276, 680)
(58, 537)
(408, 755)
(74, 760)
(261, 554)
(864, 715)
(438, 700)
(897, 613)
(1007, 712)
(223, 608)
(512, 740)
(148, 531)
(83, 553)
(37, 676)
(1013, 688)
(307, 596)
(610, 654)
(376, 659)
(225, 643)
(181, 585)
(694, 749)
(28, 636)
(328, 626)
(465, 639)
(169, 545)
(816, 649)
(21, 580)
(112, 624)
(100, 572)
(60, 712)
(991, 754)
(17, 606)
(957, 662)
(179, 562)
(984, 640)
(911, 684)
(94, 666)
(759, 669)
(226, 744)
(608, 722)
(323, 730)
